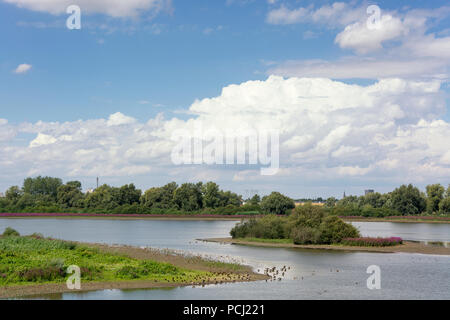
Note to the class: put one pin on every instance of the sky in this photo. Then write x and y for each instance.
(359, 100)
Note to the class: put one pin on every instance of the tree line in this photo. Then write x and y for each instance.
(404, 200)
(49, 194)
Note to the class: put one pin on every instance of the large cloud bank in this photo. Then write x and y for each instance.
(328, 130)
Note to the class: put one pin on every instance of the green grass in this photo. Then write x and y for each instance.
(282, 241)
(36, 260)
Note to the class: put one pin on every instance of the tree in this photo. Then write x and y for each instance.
(188, 197)
(104, 197)
(277, 203)
(13, 194)
(211, 195)
(26, 200)
(435, 194)
(229, 198)
(331, 202)
(375, 200)
(408, 200)
(42, 186)
(160, 198)
(69, 195)
(348, 201)
(128, 194)
(444, 206)
(255, 200)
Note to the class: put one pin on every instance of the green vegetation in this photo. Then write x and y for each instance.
(307, 225)
(276, 203)
(10, 232)
(278, 241)
(406, 200)
(50, 195)
(37, 260)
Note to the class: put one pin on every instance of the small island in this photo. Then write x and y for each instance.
(311, 227)
(35, 265)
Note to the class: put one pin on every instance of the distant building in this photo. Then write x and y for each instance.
(2, 195)
(90, 190)
(369, 191)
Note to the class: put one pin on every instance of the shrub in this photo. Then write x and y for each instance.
(308, 216)
(58, 263)
(37, 235)
(305, 235)
(268, 227)
(42, 274)
(129, 272)
(10, 232)
(308, 225)
(146, 268)
(333, 230)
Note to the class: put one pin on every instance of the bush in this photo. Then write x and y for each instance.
(308, 225)
(146, 268)
(268, 227)
(10, 232)
(42, 274)
(58, 263)
(305, 235)
(37, 235)
(333, 230)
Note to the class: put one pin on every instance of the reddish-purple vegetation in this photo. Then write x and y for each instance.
(401, 218)
(372, 242)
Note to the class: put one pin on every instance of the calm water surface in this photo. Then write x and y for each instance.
(313, 274)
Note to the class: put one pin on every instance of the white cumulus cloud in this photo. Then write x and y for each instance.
(329, 130)
(113, 8)
(23, 68)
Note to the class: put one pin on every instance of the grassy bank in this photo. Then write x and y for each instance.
(36, 265)
(406, 247)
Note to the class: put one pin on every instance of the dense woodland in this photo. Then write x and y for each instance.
(48, 194)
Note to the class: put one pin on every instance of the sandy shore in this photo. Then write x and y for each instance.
(223, 273)
(406, 247)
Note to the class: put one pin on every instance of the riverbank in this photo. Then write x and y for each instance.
(405, 219)
(124, 216)
(406, 247)
(106, 267)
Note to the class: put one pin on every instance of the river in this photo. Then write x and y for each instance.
(313, 274)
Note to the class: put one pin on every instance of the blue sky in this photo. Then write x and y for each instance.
(75, 77)
(162, 59)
